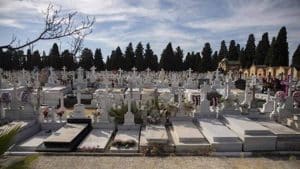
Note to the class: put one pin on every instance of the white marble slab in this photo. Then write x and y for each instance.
(255, 137)
(67, 133)
(97, 140)
(187, 131)
(36, 140)
(156, 134)
(219, 136)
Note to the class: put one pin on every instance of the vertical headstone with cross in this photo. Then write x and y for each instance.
(268, 105)
(129, 117)
(93, 74)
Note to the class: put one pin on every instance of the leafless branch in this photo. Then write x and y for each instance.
(59, 25)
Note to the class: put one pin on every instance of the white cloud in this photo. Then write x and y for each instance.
(11, 23)
(249, 14)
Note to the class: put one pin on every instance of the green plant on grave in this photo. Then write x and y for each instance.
(24, 163)
(6, 138)
(119, 111)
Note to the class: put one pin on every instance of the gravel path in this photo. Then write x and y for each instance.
(91, 162)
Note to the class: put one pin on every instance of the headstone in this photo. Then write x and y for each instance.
(93, 75)
(203, 110)
(78, 108)
(269, 105)
(296, 97)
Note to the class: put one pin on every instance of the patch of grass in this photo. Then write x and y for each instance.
(6, 138)
(24, 163)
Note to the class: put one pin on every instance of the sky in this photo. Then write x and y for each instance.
(186, 23)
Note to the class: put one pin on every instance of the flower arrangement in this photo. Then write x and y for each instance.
(124, 144)
(45, 112)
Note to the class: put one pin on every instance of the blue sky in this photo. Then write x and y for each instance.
(187, 23)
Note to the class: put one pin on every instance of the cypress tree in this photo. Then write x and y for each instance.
(36, 59)
(215, 61)
(197, 61)
(149, 58)
(250, 50)
(129, 57)
(188, 61)
(223, 52)
(262, 50)
(270, 59)
(206, 58)
(167, 58)
(119, 59)
(87, 59)
(99, 64)
(242, 58)
(113, 61)
(28, 60)
(178, 56)
(281, 51)
(68, 60)
(233, 52)
(54, 57)
(108, 64)
(296, 58)
(2, 55)
(139, 54)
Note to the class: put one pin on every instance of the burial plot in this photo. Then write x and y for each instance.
(66, 138)
(155, 135)
(287, 139)
(255, 137)
(97, 140)
(187, 138)
(126, 141)
(219, 136)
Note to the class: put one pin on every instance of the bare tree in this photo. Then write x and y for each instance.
(59, 25)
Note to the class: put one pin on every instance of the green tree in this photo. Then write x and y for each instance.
(36, 59)
(129, 58)
(108, 63)
(16, 60)
(296, 58)
(99, 60)
(150, 58)
(250, 50)
(54, 58)
(223, 52)
(281, 50)
(206, 58)
(86, 59)
(187, 61)
(215, 61)
(68, 60)
(233, 51)
(262, 50)
(139, 57)
(270, 59)
(242, 58)
(197, 62)
(178, 56)
(167, 56)
(28, 65)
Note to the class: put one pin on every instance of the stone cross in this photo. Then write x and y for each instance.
(190, 72)
(120, 72)
(78, 95)
(134, 71)
(129, 117)
(148, 71)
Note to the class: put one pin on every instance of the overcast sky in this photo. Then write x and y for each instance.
(187, 23)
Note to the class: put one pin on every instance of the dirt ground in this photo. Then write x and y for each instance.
(192, 162)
